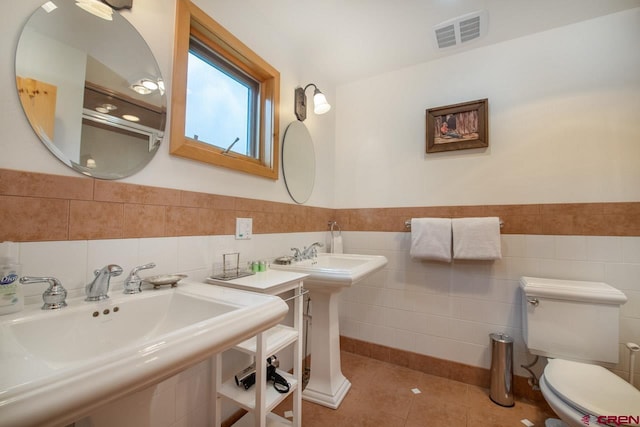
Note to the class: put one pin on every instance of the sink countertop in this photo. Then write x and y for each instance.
(46, 393)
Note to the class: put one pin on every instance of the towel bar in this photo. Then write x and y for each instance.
(407, 224)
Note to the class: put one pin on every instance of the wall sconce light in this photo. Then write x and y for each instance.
(320, 104)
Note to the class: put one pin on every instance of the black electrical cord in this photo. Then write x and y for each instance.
(279, 382)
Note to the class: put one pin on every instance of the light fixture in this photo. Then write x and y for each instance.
(91, 163)
(106, 108)
(141, 89)
(320, 104)
(145, 86)
(149, 84)
(96, 8)
(131, 117)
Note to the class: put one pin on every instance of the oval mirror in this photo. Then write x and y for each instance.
(91, 88)
(298, 162)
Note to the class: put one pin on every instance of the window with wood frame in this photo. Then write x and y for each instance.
(225, 98)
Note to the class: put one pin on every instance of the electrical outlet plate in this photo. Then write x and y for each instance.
(244, 228)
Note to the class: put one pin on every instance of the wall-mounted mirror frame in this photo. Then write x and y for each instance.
(82, 82)
(298, 162)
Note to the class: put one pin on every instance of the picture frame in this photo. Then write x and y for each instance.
(457, 127)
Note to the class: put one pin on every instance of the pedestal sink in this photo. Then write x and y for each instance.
(328, 275)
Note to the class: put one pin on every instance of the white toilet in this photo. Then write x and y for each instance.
(575, 324)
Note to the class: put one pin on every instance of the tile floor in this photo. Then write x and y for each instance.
(381, 396)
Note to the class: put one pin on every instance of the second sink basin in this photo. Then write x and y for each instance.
(336, 270)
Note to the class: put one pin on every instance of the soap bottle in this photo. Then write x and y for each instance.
(11, 299)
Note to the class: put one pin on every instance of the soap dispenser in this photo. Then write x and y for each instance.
(11, 299)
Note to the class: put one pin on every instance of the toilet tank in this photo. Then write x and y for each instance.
(570, 319)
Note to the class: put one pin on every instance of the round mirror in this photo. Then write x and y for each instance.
(91, 88)
(298, 162)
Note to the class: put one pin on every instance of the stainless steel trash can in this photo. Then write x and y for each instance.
(501, 391)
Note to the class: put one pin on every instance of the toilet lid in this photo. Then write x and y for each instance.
(592, 389)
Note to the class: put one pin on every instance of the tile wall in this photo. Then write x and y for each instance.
(73, 261)
(68, 226)
(447, 310)
(585, 219)
(53, 208)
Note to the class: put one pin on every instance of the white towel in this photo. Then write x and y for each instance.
(336, 243)
(476, 238)
(431, 238)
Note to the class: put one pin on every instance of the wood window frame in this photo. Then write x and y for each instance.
(191, 20)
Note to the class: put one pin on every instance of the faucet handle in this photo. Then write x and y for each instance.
(54, 297)
(297, 254)
(142, 267)
(133, 282)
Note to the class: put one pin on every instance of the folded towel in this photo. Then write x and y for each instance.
(336, 244)
(431, 239)
(476, 238)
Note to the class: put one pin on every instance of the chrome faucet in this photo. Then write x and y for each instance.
(297, 254)
(311, 251)
(54, 297)
(99, 288)
(133, 282)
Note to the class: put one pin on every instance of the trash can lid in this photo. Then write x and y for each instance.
(500, 337)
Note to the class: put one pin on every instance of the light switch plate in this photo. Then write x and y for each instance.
(244, 228)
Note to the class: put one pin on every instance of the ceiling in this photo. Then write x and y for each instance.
(346, 40)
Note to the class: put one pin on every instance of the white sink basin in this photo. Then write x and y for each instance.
(336, 270)
(58, 366)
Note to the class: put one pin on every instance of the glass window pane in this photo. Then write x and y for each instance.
(218, 107)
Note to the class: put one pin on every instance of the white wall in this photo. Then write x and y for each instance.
(448, 310)
(563, 123)
(154, 19)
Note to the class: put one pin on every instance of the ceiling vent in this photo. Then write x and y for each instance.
(461, 29)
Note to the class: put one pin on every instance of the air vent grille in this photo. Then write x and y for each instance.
(461, 29)
(446, 36)
(469, 29)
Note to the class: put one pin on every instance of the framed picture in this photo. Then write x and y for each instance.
(457, 127)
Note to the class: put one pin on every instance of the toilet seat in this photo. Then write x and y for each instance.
(591, 389)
